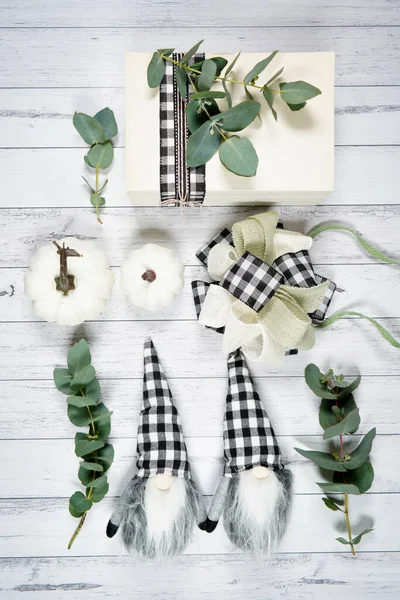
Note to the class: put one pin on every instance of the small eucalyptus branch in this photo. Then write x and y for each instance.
(211, 125)
(78, 381)
(98, 132)
(352, 473)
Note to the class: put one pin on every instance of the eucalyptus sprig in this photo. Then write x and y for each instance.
(210, 126)
(79, 382)
(352, 472)
(98, 132)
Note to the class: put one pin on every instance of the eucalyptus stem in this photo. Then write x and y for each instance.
(226, 79)
(77, 530)
(346, 512)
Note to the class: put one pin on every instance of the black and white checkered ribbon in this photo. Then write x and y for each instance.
(160, 444)
(249, 439)
(177, 181)
(254, 282)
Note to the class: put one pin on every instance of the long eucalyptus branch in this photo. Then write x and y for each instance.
(226, 79)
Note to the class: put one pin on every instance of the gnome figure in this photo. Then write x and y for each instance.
(161, 504)
(255, 491)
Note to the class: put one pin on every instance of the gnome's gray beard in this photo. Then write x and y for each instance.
(159, 524)
(257, 510)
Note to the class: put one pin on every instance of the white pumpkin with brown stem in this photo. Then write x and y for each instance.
(69, 281)
(152, 277)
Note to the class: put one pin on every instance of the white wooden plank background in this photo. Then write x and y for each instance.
(56, 58)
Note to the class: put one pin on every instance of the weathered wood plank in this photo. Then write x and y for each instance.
(21, 13)
(30, 119)
(125, 228)
(31, 350)
(56, 465)
(374, 576)
(41, 411)
(363, 175)
(58, 52)
(374, 289)
(46, 526)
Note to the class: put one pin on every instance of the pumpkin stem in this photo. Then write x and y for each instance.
(149, 275)
(65, 282)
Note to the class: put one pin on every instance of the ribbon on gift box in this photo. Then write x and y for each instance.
(267, 295)
(179, 184)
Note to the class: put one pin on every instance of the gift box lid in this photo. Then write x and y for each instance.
(296, 153)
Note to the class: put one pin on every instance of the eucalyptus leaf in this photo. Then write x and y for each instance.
(238, 117)
(202, 144)
(348, 425)
(100, 413)
(91, 466)
(274, 76)
(186, 57)
(78, 416)
(166, 51)
(62, 380)
(343, 541)
(238, 156)
(85, 158)
(83, 377)
(78, 357)
(84, 446)
(259, 68)
(350, 388)
(232, 64)
(107, 119)
(85, 476)
(361, 453)
(362, 477)
(208, 73)
(207, 94)
(339, 488)
(327, 418)
(100, 491)
(106, 456)
(313, 379)
(329, 503)
(227, 94)
(80, 401)
(75, 513)
(92, 390)
(89, 128)
(80, 503)
(296, 107)
(220, 63)
(98, 481)
(297, 92)
(101, 155)
(269, 97)
(196, 115)
(358, 537)
(181, 81)
(97, 200)
(102, 187)
(155, 70)
(322, 459)
(86, 181)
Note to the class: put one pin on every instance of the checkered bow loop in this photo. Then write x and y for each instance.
(254, 282)
(160, 446)
(249, 439)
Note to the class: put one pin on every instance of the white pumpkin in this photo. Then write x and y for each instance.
(69, 281)
(152, 277)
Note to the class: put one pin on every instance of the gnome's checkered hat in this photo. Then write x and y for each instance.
(249, 439)
(160, 446)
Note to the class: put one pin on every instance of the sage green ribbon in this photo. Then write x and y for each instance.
(376, 254)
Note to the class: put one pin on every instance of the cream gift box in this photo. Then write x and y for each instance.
(296, 153)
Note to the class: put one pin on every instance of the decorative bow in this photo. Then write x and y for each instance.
(267, 294)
